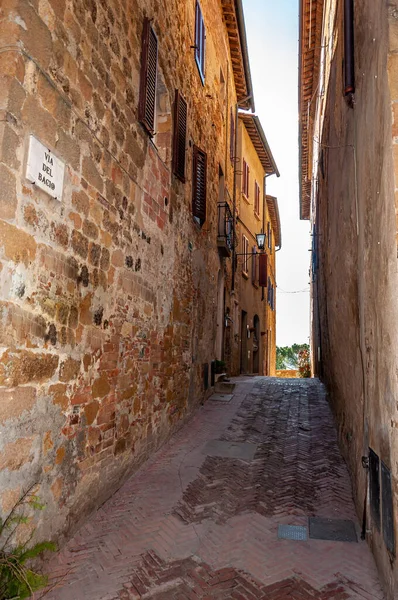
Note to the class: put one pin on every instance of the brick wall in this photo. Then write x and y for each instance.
(107, 297)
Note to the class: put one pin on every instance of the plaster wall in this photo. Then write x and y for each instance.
(355, 280)
(253, 300)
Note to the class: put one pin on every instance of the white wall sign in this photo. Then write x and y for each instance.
(44, 169)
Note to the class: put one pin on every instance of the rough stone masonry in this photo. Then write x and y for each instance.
(107, 293)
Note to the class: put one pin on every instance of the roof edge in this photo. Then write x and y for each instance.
(261, 133)
(245, 53)
(274, 201)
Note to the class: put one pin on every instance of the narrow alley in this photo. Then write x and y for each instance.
(206, 516)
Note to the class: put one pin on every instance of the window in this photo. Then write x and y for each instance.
(180, 136)
(200, 41)
(232, 138)
(199, 184)
(271, 294)
(149, 67)
(269, 236)
(254, 266)
(245, 252)
(256, 199)
(245, 179)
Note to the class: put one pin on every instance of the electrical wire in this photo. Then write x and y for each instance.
(293, 292)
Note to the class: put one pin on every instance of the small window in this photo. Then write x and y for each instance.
(245, 179)
(200, 41)
(199, 185)
(256, 199)
(232, 138)
(180, 136)
(269, 236)
(149, 68)
(374, 487)
(245, 252)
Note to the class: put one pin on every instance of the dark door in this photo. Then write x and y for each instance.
(243, 343)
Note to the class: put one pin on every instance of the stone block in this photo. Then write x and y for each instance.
(69, 369)
(18, 246)
(16, 454)
(13, 403)
(91, 174)
(23, 366)
(8, 195)
(101, 387)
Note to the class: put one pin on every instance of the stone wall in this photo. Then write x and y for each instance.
(356, 286)
(107, 296)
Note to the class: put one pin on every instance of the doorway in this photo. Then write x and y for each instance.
(243, 342)
(256, 344)
(220, 316)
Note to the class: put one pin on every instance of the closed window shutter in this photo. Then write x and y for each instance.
(254, 265)
(263, 271)
(199, 184)
(244, 177)
(247, 182)
(149, 68)
(180, 136)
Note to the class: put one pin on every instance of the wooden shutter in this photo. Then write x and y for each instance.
(199, 184)
(180, 136)
(247, 181)
(263, 270)
(254, 265)
(244, 175)
(149, 68)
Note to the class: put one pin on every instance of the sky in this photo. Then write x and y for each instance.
(272, 33)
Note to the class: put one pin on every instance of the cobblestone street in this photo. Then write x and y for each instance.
(202, 518)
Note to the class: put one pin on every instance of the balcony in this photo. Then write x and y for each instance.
(225, 229)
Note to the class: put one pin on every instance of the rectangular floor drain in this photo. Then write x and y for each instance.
(334, 530)
(223, 449)
(292, 532)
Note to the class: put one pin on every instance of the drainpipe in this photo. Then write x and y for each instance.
(349, 59)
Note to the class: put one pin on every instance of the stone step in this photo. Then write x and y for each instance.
(224, 387)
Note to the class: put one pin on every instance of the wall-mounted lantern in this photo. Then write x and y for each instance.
(260, 237)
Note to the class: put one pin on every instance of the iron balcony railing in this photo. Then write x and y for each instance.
(225, 237)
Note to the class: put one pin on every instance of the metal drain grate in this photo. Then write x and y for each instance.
(334, 530)
(292, 532)
(240, 450)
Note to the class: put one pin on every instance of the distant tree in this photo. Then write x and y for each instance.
(287, 357)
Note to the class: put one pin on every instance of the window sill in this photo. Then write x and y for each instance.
(245, 198)
(257, 216)
(245, 275)
(255, 285)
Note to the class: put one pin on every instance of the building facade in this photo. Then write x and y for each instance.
(115, 137)
(257, 212)
(349, 174)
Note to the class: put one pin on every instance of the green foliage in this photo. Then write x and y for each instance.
(287, 357)
(17, 580)
(219, 366)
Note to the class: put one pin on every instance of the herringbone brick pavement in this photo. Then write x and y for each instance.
(189, 525)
